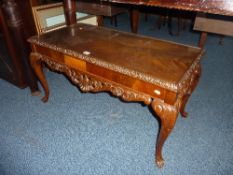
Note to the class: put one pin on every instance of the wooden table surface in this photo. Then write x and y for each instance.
(145, 58)
(222, 7)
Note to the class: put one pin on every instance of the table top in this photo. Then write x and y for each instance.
(151, 60)
(221, 7)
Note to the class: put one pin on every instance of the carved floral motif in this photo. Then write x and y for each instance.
(91, 83)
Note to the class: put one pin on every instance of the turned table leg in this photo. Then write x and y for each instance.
(37, 67)
(168, 115)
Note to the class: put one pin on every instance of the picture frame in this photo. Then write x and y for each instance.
(50, 17)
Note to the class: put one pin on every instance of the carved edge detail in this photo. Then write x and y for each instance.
(93, 60)
(170, 86)
(190, 72)
(92, 83)
(132, 73)
(185, 87)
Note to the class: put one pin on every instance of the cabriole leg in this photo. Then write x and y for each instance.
(168, 115)
(193, 83)
(36, 64)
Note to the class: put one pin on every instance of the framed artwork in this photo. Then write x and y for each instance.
(51, 17)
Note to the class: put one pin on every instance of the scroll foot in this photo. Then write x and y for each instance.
(160, 163)
(168, 115)
(37, 67)
(184, 114)
(182, 109)
(45, 99)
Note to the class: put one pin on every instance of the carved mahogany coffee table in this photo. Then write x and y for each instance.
(159, 73)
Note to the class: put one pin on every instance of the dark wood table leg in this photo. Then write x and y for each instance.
(193, 83)
(134, 20)
(168, 115)
(37, 67)
(100, 20)
(70, 11)
(202, 40)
